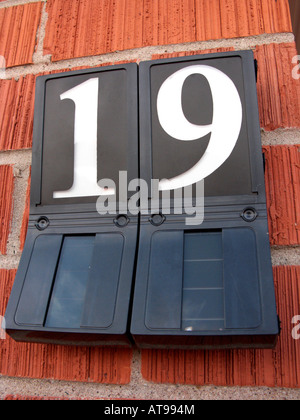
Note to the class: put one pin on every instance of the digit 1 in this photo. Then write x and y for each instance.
(85, 97)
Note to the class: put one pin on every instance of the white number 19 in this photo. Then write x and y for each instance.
(225, 129)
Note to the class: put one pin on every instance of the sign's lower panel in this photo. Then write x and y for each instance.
(74, 287)
(70, 339)
(206, 343)
(205, 288)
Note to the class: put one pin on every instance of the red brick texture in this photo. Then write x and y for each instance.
(283, 194)
(91, 27)
(278, 91)
(16, 113)
(82, 364)
(18, 33)
(6, 206)
(278, 368)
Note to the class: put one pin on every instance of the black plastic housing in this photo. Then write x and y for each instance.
(207, 286)
(67, 240)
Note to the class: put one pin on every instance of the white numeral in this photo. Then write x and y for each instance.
(225, 128)
(85, 97)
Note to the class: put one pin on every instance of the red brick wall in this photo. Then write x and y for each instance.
(58, 35)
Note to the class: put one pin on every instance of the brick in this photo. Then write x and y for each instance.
(6, 208)
(18, 30)
(283, 193)
(272, 368)
(16, 113)
(82, 364)
(91, 27)
(278, 91)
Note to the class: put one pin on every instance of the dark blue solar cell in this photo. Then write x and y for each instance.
(67, 300)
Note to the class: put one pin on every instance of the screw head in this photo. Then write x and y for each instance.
(249, 214)
(122, 221)
(42, 223)
(157, 219)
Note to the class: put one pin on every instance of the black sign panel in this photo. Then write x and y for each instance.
(99, 105)
(74, 281)
(181, 234)
(203, 279)
(198, 108)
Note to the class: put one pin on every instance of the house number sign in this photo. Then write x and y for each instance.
(148, 218)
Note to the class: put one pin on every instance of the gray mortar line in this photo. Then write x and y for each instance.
(10, 262)
(39, 56)
(136, 367)
(21, 174)
(286, 255)
(16, 157)
(281, 137)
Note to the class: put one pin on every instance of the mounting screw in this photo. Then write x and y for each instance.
(42, 223)
(249, 214)
(157, 219)
(121, 221)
